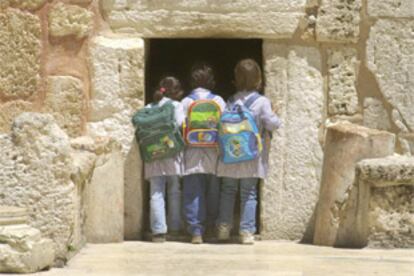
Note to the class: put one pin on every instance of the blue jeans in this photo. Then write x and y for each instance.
(248, 202)
(201, 194)
(157, 204)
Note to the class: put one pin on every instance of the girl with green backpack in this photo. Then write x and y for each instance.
(158, 132)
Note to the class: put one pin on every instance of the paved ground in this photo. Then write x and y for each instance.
(264, 258)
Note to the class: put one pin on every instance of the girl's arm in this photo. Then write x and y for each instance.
(269, 119)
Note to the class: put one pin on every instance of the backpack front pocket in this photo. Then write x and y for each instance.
(240, 147)
(202, 137)
(161, 145)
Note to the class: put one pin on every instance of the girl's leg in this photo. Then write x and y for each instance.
(174, 203)
(227, 198)
(248, 203)
(157, 205)
(194, 203)
(213, 201)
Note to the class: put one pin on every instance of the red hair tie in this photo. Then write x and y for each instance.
(163, 90)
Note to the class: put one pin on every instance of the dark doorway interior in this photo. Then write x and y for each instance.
(177, 56)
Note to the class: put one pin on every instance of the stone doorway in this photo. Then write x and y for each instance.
(177, 56)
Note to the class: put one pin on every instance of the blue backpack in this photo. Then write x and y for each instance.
(239, 136)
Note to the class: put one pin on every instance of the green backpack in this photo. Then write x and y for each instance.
(157, 133)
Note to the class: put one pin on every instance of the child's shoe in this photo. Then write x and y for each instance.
(223, 232)
(246, 238)
(159, 238)
(197, 239)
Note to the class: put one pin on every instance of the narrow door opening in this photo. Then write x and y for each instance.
(176, 57)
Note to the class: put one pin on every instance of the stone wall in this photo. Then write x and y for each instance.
(83, 62)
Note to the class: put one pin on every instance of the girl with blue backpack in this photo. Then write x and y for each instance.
(243, 128)
(158, 132)
(201, 187)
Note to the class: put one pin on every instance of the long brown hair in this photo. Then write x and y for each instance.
(169, 87)
(248, 75)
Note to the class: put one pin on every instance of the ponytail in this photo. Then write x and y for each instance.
(159, 94)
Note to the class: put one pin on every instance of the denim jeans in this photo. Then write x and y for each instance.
(157, 204)
(248, 202)
(201, 197)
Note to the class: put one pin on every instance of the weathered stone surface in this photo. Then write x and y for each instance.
(134, 201)
(10, 110)
(66, 102)
(23, 4)
(117, 70)
(338, 21)
(294, 83)
(105, 222)
(409, 139)
(391, 217)
(36, 174)
(391, 8)
(22, 250)
(67, 20)
(342, 77)
(387, 213)
(375, 114)
(19, 54)
(390, 51)
(345, 145)
(12, 215)
(270, 19)
(393, 170)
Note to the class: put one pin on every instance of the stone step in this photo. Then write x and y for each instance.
(12, 215)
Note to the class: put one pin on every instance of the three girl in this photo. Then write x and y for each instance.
(205, 207)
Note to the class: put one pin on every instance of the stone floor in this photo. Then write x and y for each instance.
(264, 258)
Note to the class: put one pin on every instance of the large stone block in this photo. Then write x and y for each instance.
(391, 8)
(386, 215)
(342, 80)
(65, 100)
(25, 4)
(36, 174)
(375, 114)
(117, 71)
(294, 83)
(338, 21)
(345, 145)
(390, 51)
(22, 249)
(105, 195)
(183, 18)
(19, 54)
(67, 20)
(10, 110)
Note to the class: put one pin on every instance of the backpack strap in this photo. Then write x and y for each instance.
(211, 96)
(193, 96)
(249, 102)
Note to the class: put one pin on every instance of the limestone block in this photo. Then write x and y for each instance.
(105, 196)
(342, 79)
(22, 250)
(391, 217)
(66, 102)
(67, 20)
(389, 209)
(19, 54)
(12, 215)
(409, 140)
(294, 83)
(184, 18)
(375, 114)
(390, 50)
(24, 4)
(36, 174)
(391, 8)
(117, 72)
(338, 21)
(345, 145)
(135, 191)
(10, 110)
